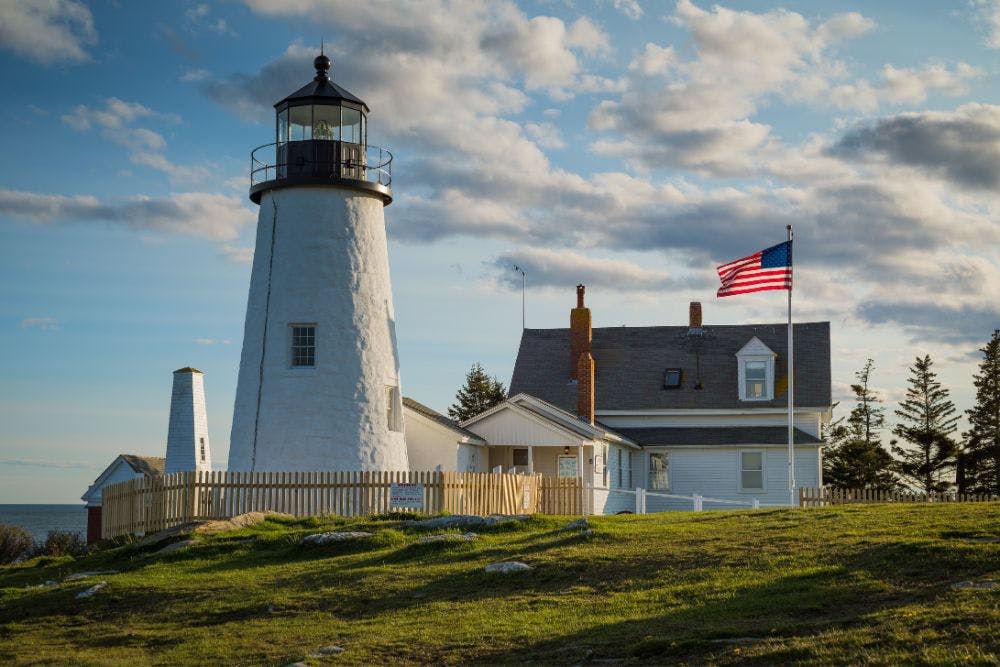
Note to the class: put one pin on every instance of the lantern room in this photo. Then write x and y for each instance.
(321, 137)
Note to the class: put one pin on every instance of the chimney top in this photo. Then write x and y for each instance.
(580, 289)
(694, 319)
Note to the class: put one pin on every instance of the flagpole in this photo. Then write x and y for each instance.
(791, 388)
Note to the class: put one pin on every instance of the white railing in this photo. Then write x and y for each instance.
(697, 500)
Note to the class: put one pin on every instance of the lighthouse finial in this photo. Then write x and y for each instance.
(322, 65)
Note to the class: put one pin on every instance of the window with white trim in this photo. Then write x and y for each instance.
(752, 470)
(303, 346)
(659, 471)
(755, 363)
(520, 457)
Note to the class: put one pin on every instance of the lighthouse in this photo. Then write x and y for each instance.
(318, 385)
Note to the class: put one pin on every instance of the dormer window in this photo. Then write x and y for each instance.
(756, 371)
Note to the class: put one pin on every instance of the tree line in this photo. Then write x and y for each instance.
(927, 452)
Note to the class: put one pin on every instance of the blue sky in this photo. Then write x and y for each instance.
(628, 145)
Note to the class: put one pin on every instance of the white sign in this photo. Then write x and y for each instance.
(526, 498)
(406, 496)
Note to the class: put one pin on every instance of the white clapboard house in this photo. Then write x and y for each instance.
(675, 410)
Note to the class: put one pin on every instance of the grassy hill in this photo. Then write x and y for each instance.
(857, 584)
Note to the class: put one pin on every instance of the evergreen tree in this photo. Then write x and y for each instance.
(480, 392)
(980, 461)
(856, 458)
(927, 420)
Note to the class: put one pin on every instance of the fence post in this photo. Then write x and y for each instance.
(697, 502)
(638, 500)
(756, 502)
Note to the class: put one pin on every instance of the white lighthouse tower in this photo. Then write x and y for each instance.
(319, 387)
(187, 431)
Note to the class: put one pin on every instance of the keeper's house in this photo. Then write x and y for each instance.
(677, 410)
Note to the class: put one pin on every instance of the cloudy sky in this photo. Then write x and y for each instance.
(628, 145)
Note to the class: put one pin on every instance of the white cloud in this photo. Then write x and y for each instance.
(654, 60)
(913, 85)
(212, 341)
(43, 323)
(116, 122)
(630, 8)
(559, 268)
(237, 254)
(989, 12)
(47, 31)
(202, 214)
(546, 135)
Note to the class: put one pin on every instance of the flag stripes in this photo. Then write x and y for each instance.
(769, 269)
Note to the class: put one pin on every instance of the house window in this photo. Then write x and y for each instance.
(520, 455)
(672, 378)
(393, 409)
(755, 363)
(659, 468)
(201, 441)
(752, 471)
(755, 377)
(303, 345)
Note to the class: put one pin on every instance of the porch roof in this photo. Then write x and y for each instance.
(718, 435)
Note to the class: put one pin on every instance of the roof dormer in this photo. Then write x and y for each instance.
(755, 363)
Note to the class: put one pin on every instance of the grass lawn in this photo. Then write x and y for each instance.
(853, 584)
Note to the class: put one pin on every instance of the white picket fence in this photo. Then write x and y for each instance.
(697, 501)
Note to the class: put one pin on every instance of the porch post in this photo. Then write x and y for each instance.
(531, 460)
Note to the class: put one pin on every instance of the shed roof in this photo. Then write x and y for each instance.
(630, 363)
(436, 416)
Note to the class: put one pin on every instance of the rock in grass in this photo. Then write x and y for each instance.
(466, 520)
(84, 575)
(508, 566)
(579, 524)
(448, 537)
(93, 590)
(987, 585)
(176, 546)
(320, 539)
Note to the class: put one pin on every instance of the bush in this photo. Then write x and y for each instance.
(62, 543)
(15, 542)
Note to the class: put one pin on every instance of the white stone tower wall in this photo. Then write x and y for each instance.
(187, 429)
(329, 268)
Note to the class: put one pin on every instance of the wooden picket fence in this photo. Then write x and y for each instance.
(819, 497)
(148, 504)
(560, 495)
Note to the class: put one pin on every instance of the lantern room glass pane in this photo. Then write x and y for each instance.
(326, 122)
(283, 126)
(300, 123)
(351, 126)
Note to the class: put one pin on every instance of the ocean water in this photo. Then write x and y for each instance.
(40, 519)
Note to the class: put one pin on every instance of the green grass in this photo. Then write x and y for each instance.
(856, 584)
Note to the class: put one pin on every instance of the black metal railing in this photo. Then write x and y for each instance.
(320, 159)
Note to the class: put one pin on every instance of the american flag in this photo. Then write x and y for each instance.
(767, 269)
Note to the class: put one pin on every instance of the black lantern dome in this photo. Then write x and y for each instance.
(321, 138)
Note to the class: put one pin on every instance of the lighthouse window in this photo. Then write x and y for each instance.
(300, 120)
(351, 129)
(283, 126)
(201, 441)
(303, 345)
(326, 122)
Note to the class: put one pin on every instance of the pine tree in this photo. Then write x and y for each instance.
(856, 458)
(980, 460)
(480, 392)
(927, 420)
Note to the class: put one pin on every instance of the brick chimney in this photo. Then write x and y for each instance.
(580, 335)
(694, 315)
(585, 387)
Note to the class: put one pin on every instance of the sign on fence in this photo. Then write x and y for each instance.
(406, 496)
(526, 498)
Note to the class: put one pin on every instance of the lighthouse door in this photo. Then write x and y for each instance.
(350, 161)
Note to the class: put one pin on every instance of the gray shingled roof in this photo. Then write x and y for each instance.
(630, 363)
(717, 435)
(152, 466)
(434, 415)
